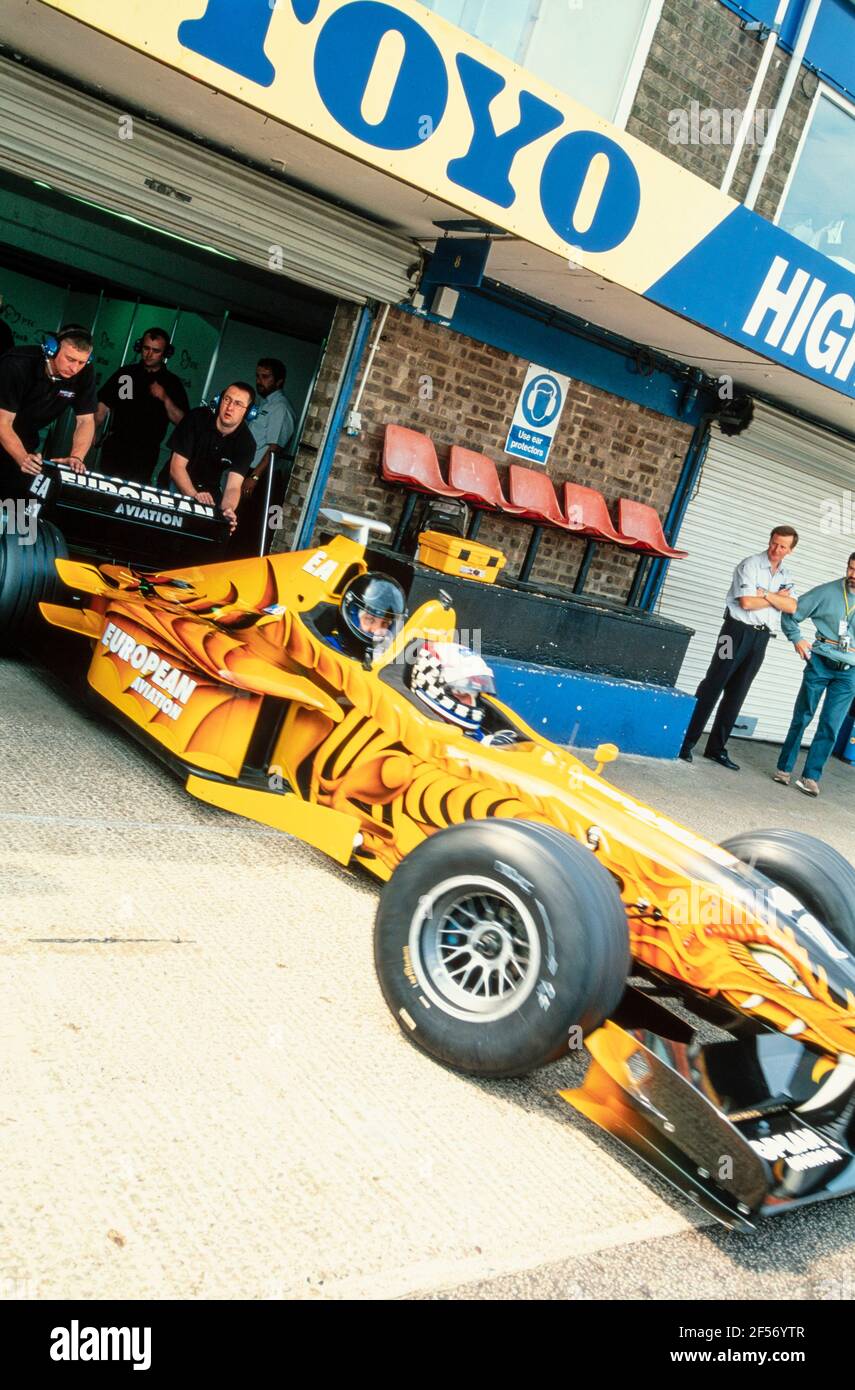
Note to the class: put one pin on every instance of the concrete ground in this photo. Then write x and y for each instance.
(203, 1095)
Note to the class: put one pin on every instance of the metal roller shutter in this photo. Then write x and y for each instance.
(780, 470)
(73, 143)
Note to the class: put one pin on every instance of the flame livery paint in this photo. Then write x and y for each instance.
(226, 670)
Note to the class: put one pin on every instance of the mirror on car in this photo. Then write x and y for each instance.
(605, 753)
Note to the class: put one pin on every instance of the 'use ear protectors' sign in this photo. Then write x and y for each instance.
(536, 417)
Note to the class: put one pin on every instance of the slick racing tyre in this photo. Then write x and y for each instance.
(28, 577)
(494, 939)
(821, 879)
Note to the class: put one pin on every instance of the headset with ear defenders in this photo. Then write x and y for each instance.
(250, 415)
(158, 333)
(51, 342)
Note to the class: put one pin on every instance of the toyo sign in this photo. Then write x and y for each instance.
(397, 87)
(367, 43)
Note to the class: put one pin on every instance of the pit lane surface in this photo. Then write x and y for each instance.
(202, 1093)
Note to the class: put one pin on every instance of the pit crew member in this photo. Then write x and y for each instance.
(272, 429)
(211, 441)
(142, 400)
(37, 384)
(273, 426)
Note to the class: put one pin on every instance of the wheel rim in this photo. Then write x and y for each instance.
(475, 949)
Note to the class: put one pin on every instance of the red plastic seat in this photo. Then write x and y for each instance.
(586, 508)
(478, 479)
(643, 528)
(409, 459)
(533, 496)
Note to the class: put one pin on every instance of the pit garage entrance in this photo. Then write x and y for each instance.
(109, 220)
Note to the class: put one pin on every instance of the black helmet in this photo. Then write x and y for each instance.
(374, 608)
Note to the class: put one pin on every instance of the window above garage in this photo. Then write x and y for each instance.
(592, 52)
(818, 204)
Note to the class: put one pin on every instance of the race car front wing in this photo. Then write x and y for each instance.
(746, 1127)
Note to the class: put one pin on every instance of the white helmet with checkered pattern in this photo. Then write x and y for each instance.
(449, 680)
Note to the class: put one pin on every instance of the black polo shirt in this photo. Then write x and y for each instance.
(209, 453)
(7, 338)
(138, 420)
(35, 398)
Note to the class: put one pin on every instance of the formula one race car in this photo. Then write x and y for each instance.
(521, 889)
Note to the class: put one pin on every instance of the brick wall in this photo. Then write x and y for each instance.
(701, 53)
(461, 391)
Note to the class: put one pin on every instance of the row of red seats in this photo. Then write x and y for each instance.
(410, 461)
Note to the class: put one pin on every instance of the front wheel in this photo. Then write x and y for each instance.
(497, 943)
(814, 873)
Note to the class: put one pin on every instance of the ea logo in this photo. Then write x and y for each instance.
(541, 401)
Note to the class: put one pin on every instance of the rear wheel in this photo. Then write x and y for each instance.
(28, 577)
(497, 943)
(814, 873)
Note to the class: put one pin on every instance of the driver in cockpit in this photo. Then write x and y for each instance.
(451, 680)
(372, 612)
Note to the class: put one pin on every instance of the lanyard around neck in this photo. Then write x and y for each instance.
(846, 601)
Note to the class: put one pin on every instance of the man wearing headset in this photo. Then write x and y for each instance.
(37, 384)
(212, 440)
(143, 400)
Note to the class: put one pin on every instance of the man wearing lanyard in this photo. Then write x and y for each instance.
(761, 590)
(273, 426)
(829, 671)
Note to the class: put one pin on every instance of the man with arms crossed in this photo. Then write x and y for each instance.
(142, 399)
(829, 672)
(761, 590)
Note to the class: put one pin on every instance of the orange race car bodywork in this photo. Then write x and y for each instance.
(224, 669)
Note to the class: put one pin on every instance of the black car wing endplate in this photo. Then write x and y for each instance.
(739, 1127)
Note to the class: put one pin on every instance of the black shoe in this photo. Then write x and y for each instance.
(723, 760)
(686, 754)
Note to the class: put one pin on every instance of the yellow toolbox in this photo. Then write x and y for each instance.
(457, 555)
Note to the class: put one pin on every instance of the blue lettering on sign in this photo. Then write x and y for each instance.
(232, 33)
(345, 55)
(564, 172)
(485, 167)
